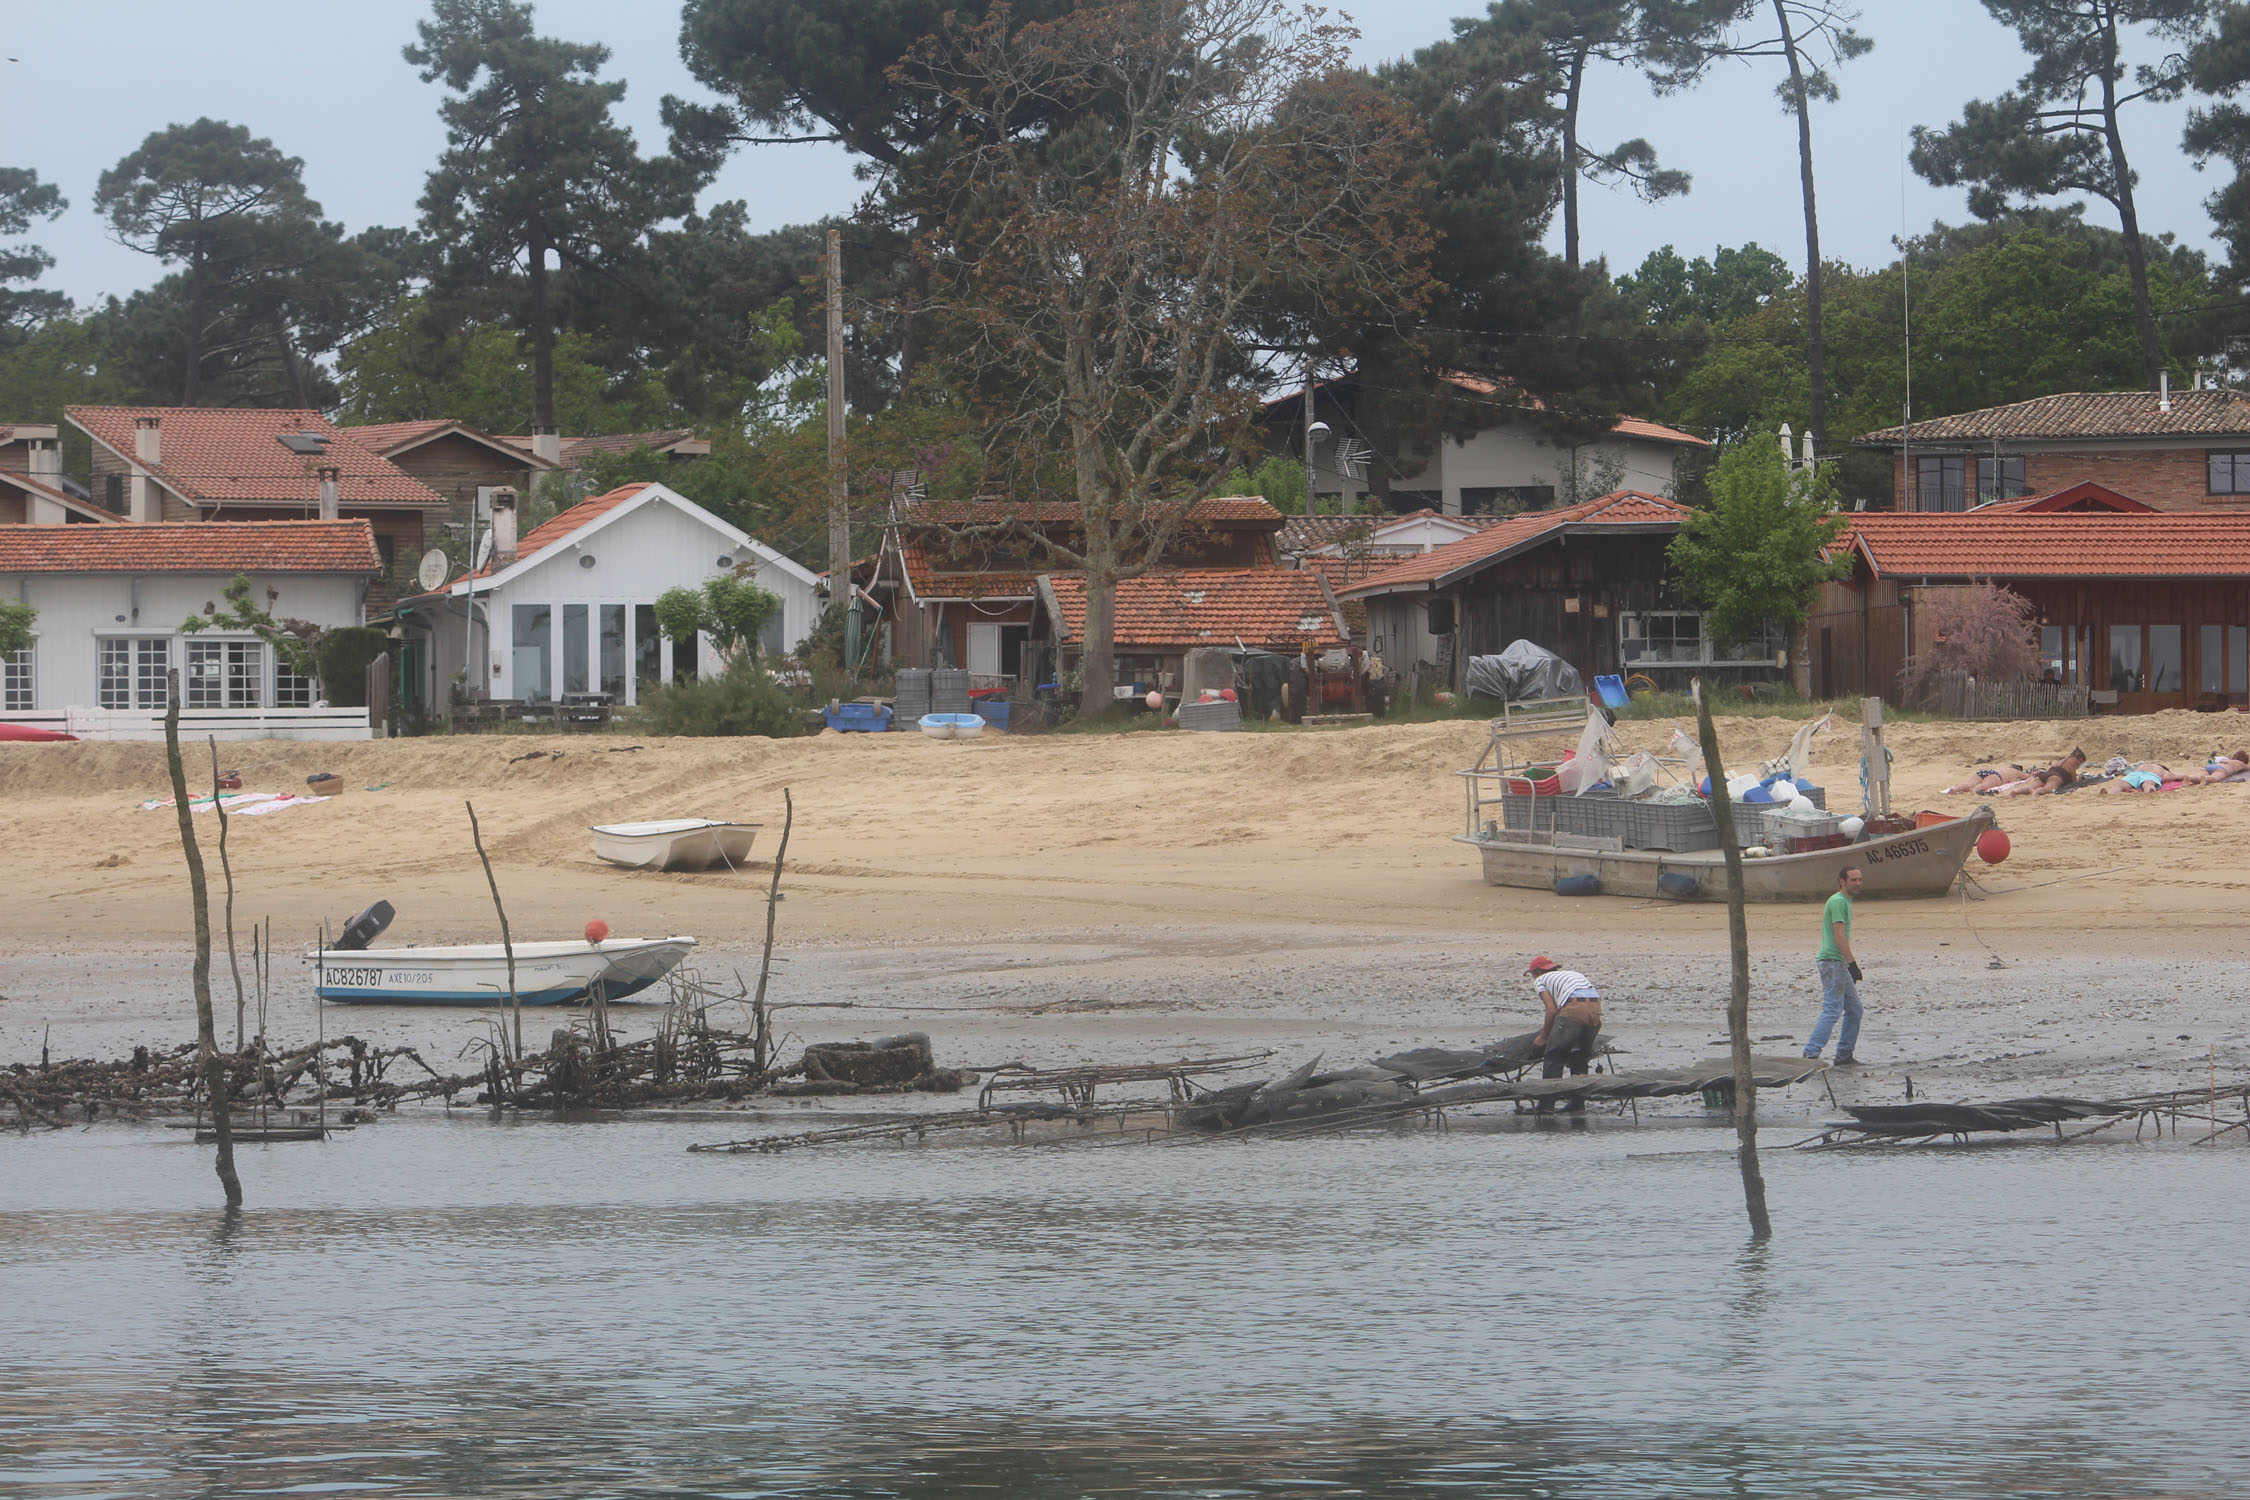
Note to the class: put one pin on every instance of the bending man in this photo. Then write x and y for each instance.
(1573, 1018)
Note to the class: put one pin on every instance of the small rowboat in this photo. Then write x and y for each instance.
(546, 973)
(33, 734)
(675, 843)
(952, 726)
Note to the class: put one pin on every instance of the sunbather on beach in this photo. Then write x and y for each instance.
(1988, 779)
(2145, 776)
(2059, 777)
(2221, 768)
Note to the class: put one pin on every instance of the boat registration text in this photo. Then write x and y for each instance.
(1900, 850)
(367, 979)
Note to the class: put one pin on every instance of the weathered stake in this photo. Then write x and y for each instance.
(507, 944)
(1738, 999)
(226, 869)
(765, 964)
(206, 1029)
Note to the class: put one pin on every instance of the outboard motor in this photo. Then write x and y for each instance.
(363, 929)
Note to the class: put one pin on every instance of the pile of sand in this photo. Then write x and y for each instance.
(900, 838)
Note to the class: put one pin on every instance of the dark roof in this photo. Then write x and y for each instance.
(2082, 415)
(1624, 510)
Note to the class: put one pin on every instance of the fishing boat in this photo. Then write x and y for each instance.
(1924, 862)
(675, 843)
(477, 974)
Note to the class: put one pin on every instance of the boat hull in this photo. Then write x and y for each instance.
(545, 973)
(687, 844)
(1925, 862)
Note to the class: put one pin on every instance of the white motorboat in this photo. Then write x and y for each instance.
(477, 974)
(675, 843)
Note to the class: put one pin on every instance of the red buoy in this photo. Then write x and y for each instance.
(596, 930)
(1992, 846)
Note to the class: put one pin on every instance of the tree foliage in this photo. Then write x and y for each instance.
(1727, 284)
(1987, 631)
(742, 700)
(731, 609)
(1757, 553)
(2219, 69)
(24, 198)
(535, 166)
(294, 642)
(2058, 132)
(16, 622)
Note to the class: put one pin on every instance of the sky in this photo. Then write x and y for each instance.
(81, 85)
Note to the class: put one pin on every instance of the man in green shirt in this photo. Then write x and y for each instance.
(1839, 973)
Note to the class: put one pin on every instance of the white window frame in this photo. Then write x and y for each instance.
(1634, 626)
(19, 679)
(147, 679)
(240, 678)
(290, 690)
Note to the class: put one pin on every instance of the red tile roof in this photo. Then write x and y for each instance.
(559, 529)
(932, 576)
(2085, 496)
(193, 547)
(2084, 414)
(2071, 544)
(1181, 609)
(1630, 510)
(1249, 512)
(1633, 427)
(226, 456)
(388, 438)
(31, 486)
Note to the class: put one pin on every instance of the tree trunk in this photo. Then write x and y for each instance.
(1738, 998)
(1570, 158)
(294, 369)
(2128, 218)
(191, 382)
(542, 336)
(909, 335)
(206, 1028)
(1815, 353)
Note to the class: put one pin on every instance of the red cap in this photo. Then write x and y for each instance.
(1541, 965)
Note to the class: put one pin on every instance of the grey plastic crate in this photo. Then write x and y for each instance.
(949, 690)
(1220, 715)
(913, 699)
(1675, 827)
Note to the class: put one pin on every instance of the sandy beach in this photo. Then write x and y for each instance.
(1099, 896)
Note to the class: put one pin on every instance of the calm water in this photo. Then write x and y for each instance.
(454, 1308)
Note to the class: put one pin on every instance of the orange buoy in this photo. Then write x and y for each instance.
(1992, 846)
(596, 930)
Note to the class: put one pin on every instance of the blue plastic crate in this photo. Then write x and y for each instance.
(994, 711)
(858, 718)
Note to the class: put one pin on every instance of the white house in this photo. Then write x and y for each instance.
(571, 607)
(111, 600)
(1507, 466)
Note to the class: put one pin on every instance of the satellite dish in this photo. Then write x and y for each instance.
(434, 567)
(484, 550)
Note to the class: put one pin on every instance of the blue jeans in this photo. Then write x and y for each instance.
(1839, 996)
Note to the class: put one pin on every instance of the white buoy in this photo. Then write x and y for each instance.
(1852, 828)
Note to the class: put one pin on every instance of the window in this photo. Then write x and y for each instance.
(574, 648)
(534, 627)
(133, 673)
(2000, 479)
(613, 651)
(388, 547)
(290, 690)
(2229, 473)
(1941, 482)
(2164, 662)
(2125, 658)
(1671, 636)
(1505, 499)
(17, 675)
(224, 674)
(648, 646)
(2063, 654)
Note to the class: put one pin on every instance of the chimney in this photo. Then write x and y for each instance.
(504, 525)
(2164, 390)
(328, 478)
(148, 440)
(45, 457)
(546, 443)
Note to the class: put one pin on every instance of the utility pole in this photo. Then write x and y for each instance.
(840, 587)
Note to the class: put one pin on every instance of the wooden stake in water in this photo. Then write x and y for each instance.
(206, 1029)
(507, 944)
(1738, 998)
(226, 869)
(773, 902)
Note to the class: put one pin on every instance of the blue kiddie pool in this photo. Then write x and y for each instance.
(952, 726)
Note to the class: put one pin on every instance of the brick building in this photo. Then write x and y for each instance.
(2176, 451)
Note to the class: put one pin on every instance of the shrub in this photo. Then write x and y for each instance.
(1982, 629)
(1757, 554)
(342, 657)
(742, 700)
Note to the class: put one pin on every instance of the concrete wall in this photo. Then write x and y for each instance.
(76, 610)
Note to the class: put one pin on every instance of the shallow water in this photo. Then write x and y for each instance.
(451, 1307)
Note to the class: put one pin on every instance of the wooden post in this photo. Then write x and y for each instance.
(206, 1038)
(1738, 998)
(507, 944)
(226, 869)
(765, 964)
(841, 593)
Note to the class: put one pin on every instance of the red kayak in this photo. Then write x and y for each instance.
(33, 732)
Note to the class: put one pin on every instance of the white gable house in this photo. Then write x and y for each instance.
(571, 607)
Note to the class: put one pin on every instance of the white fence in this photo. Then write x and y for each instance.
(200, 723)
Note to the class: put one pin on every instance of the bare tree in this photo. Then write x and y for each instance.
(1130, 184)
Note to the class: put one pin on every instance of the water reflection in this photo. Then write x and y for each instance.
(463, 1311)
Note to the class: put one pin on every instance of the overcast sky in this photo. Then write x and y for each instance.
(83, 83)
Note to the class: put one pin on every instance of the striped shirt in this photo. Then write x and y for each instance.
(1565, 985)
